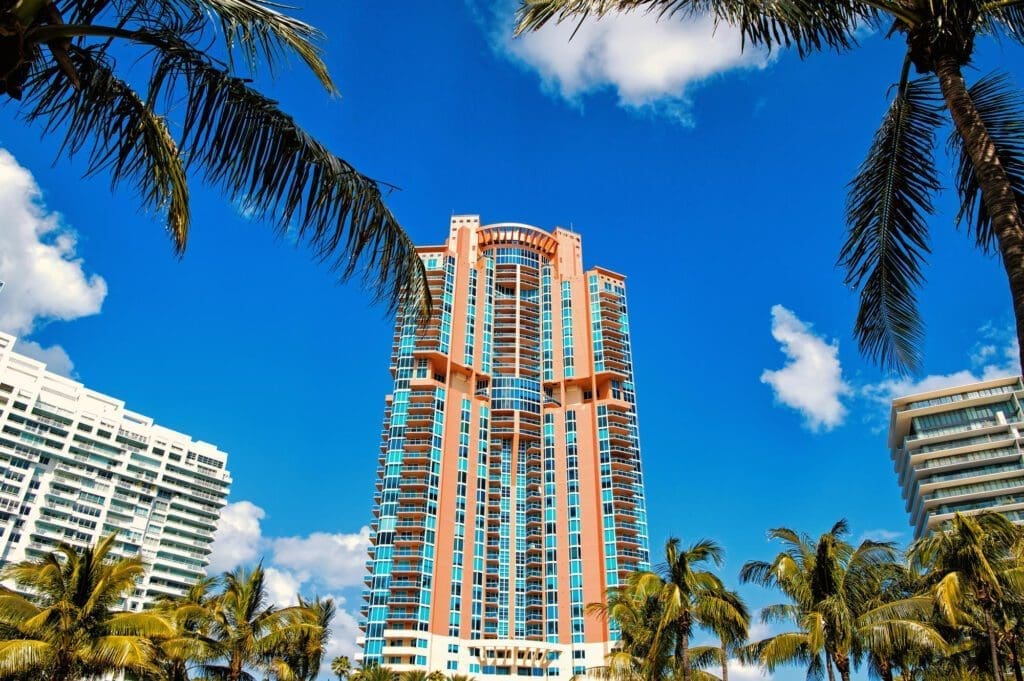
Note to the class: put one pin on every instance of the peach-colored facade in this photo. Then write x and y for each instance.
(509, 492)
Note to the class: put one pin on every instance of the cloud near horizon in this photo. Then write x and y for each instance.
(44, 278)
(812, 381)
(650, 64)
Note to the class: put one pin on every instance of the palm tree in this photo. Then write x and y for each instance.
(636, 611)
(891, 196)
(60, 59)
(693, 597)
(649, 647)
(731, 625)
(303, 652)
(190, 615)
(897, 633)
(69, 627)
(341, 667)
(250, 633)
(830, 585)
(436, 675)
(973, 574)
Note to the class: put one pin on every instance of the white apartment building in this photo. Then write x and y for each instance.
(75, 465)
(958, 450)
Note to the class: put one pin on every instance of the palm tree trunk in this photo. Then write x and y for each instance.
(843, 666)
(683, 646)
(993, 647)
(828, 667)
(1015, 662)
(725, 662)
(996, 188)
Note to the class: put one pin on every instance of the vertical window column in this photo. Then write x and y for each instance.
(568, 359)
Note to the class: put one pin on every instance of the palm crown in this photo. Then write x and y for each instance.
(70, 627)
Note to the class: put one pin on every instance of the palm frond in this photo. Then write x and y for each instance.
(1001, 107)
(122, 135)
(1004, 17)
(21, 657)
(265, 35)
(888, 237)
(122, 653)
(807, 25)
(261, 159)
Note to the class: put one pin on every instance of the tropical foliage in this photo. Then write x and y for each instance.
(890, 198)
(67, 63)
(63, 621)
(952, 607)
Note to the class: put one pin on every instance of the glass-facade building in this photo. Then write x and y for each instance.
(509, 488)
(958, 450)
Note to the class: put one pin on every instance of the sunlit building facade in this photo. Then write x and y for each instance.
(509, 491)
(958, 450)
(75, 466)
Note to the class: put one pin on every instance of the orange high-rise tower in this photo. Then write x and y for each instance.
(509, 492)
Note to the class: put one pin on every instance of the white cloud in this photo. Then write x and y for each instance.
(43, 277)
(995, 356)
(56, 358)
(812, 380)
(238, 537)
(648, 62)
(333, 561)
(282, 587)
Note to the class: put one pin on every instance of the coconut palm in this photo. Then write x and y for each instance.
(341, 667)
(303, 652)
(687, 598)
(731, 625)
(63, 60)
(891, 197)
(635, 610)
(897, 633)
(251, 633)
(973, 575)
(190, 615)
(830, 584)
(70, 626)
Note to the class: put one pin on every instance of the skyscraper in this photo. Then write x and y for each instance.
(958, 450)
(509, 491)
(75, 466)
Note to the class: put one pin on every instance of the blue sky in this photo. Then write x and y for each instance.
(713, 180)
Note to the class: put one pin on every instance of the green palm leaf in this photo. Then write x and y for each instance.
(889, 200)
(264, 34)
(807, 25)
